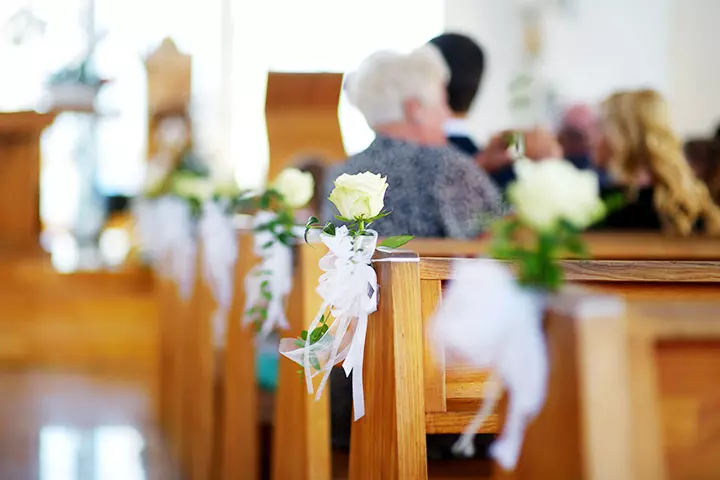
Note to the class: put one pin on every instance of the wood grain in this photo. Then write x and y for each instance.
(389, 441)
(301, 439)
(625, 271)
(601, 245)
(433, 359)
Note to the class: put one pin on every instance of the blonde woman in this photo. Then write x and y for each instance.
(645, 161)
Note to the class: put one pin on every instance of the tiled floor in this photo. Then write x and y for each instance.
(56, 426)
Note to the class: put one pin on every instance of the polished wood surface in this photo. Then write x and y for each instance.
(301, 441)
(80, 426)
(240, 454)
(636, 392)
(92, 320)
(389, 441)
(302, 119)
(601, 246)
(20, 178)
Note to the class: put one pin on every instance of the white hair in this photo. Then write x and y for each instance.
(386, 80)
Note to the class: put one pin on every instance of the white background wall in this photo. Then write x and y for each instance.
(597, 46)
(694, 65)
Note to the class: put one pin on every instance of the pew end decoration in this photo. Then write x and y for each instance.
(183, 213)
(491, 317)
(268, 283)
(348, 287)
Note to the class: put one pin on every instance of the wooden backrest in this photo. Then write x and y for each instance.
(302, 119)
(631, 395)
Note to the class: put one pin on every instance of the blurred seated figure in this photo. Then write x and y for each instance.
(434, 189)
(646, 164)
(465, 60)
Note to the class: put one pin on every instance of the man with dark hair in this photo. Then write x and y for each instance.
(466, 61)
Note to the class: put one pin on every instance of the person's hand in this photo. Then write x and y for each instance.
(541, 144)
(496, 155)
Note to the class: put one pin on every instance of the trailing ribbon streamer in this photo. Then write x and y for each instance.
(489, 321)
(270, 281)
(349, 289)
(147, 221)
(176, 238)
(219, 248)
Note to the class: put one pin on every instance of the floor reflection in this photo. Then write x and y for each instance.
(78, 427)
(104, 453)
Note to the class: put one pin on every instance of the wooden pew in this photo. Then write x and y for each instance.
(630, 397)
(301, 439)
(638, 265)
(174, 317)
(237, 424)
(407, 396)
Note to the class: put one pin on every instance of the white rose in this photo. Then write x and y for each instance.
(296, 187)
(192, 186)
(549, 191)
(359, 196)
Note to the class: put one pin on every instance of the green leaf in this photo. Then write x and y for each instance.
(304, 334)
(268, 244)
(343, 219)
(317, 334)
(614, 203)
(312, 221)
(396, 241)
(299, 343)
(329, 229)
(314, 362)
(575, 245)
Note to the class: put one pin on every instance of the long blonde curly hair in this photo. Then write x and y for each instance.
(642, 143)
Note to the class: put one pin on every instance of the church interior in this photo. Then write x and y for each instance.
(161, 292)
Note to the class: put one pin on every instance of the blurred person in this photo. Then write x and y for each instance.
(644, 158)
(466, 63)
(434, 190)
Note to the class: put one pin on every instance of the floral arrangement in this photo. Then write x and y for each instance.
(553, 203)
(268, 283)
(348, 287)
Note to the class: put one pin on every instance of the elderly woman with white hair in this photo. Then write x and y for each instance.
(434, 189)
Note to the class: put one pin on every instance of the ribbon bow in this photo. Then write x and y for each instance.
(490, 321)
(219, 243)
(274, 271)
(349, 288)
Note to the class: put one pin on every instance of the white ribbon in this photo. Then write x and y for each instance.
(219, 244)
(275, 268)
(175, 237)
(489, 321)
(349, 288)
